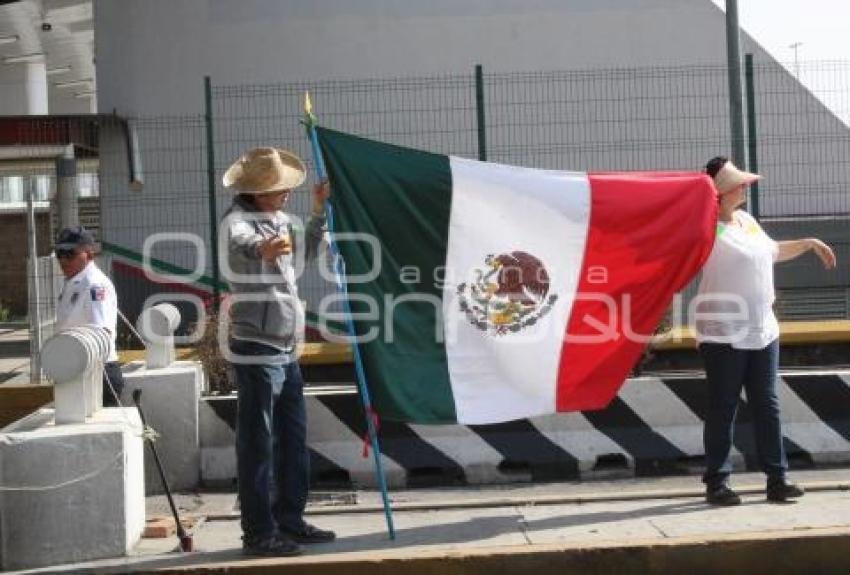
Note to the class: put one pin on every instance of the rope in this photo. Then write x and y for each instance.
(131, 327)
(118, 457)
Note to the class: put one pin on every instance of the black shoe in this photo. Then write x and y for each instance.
(783, 491)
(722, 495)
(271, 546)
(310, 534)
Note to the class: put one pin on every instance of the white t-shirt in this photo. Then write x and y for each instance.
(89, 299)
(736, 292)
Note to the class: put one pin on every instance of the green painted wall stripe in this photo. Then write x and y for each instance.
(311, 318)
(159, 265)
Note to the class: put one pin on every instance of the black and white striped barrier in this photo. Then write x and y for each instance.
(654, 427)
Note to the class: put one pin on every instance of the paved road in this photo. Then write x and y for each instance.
(14, 355)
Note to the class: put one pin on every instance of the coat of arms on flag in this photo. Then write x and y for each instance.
(510, 294)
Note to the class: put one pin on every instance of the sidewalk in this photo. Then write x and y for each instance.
(558, 524)
(14, 354)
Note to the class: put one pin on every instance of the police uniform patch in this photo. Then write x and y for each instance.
(98, 293)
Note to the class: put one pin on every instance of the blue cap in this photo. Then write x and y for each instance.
(74, 237)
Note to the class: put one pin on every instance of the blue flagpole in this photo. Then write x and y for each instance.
(339, 271)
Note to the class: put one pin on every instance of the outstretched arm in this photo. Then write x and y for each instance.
(788, 250)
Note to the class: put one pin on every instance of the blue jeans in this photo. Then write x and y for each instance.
(728, 370)
(113, 375)
(271, 443)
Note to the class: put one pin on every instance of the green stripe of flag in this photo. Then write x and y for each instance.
(403, 198)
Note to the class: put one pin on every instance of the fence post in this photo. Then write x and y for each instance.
(33, 293)
(733, 59)
(479, 107)
(752, 136)
(208, 116)
(66, 188)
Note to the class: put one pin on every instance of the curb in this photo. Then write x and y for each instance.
(787, 552)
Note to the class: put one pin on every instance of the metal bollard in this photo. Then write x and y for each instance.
(157, 325)
(74, 359)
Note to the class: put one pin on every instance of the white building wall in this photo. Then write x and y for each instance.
(66, 102)
(23, 89)
(152, 54)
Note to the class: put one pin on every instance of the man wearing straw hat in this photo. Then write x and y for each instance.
(265, 319)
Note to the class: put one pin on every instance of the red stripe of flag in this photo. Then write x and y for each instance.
(649, 235)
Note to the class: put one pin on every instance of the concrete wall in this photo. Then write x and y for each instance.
(23, 89)
(611, 107)
(152, 54)
(64, 102)
(13, 254)
(13, 248)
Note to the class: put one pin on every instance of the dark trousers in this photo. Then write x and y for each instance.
(728, 370)
(112, 374)
(271, 443)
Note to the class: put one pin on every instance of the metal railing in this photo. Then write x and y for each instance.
(661, 118)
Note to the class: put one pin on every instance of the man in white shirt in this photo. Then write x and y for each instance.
(88, 299)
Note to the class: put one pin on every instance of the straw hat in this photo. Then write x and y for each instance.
(265, 170)
(729, 178)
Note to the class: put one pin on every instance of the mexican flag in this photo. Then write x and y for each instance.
(484, 293)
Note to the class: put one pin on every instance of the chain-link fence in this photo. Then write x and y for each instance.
(44, 284)
(670, 118)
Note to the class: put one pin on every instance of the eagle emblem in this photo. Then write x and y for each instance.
(509, 294)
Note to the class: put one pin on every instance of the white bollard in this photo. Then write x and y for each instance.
(157, 325)
(172, 391)
(74, 359)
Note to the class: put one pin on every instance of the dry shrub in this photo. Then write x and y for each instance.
(217, 369)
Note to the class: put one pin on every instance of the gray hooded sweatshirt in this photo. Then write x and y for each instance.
(265, 307)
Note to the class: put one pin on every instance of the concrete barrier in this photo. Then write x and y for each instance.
(653, 427)
(71, 481)
(71, 492)
(170, 396)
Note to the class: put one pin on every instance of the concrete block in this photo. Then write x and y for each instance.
(218, 440)
(170, 397)
(71, 492)
(218, 466)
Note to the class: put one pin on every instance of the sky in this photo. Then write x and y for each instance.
(822, 29)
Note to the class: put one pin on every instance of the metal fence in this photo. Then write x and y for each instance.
(671, 118)
(44, 283)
